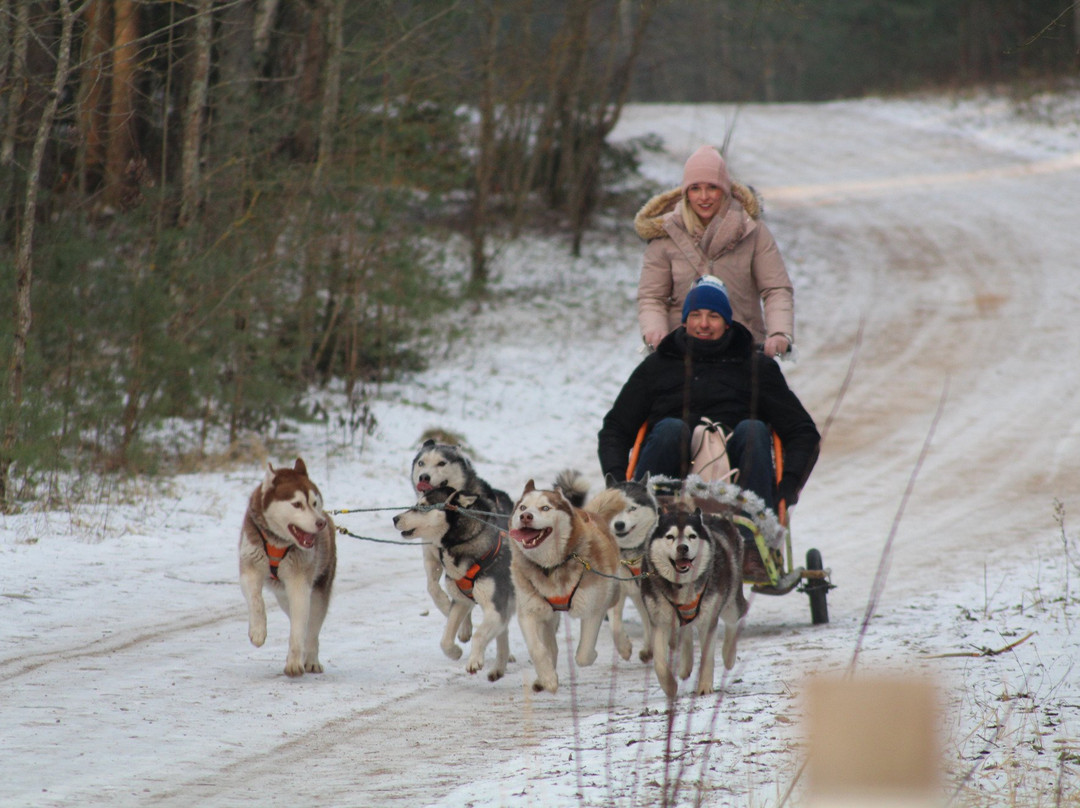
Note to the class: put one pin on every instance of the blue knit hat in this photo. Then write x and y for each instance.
(709, 293)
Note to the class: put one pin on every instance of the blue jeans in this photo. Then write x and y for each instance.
(666, 451)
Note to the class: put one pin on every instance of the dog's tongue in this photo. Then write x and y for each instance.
(683, 566)
(423, 485)
(529, 537)
(305, 540)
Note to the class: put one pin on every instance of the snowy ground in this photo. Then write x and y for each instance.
(933, 244)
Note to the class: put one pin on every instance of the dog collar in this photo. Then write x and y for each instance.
(633, 564)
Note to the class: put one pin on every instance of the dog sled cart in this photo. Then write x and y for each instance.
(768, 562)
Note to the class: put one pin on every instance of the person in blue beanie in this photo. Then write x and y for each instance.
(709, 368)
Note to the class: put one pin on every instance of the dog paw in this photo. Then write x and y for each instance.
(314, 667)
(474, 665)
(452, 651)
(257, 636)
(645, 655)
(550, 685)
(704, 688)
(465, 631)
(495, 676)
(585, 659)
(671, 689)
(294, 668)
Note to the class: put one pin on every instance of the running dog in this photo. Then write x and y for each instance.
(440, 464)
(693, 577)
(630, 510)
(475, 557)
(564, 560)
(287, 543)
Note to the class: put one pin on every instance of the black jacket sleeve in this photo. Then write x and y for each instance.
(781, 408)
(630, 410)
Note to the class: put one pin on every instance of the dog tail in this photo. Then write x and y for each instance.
(573, 485)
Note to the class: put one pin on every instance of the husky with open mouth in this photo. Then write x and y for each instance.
(442, 464)
(692, 579)
(630, 510)
(564, 560)
(287, 544)
(474, 554)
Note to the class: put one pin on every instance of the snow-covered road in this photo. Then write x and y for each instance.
(933, 246)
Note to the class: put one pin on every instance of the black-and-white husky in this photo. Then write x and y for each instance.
(692, 578)
(474, 555)
(441, 464)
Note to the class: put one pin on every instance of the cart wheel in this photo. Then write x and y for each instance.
(817, 589)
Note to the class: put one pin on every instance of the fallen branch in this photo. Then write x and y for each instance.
(985, 652)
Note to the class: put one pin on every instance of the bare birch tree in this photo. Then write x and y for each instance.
(331, 95)
(24, 245)
(198, 89)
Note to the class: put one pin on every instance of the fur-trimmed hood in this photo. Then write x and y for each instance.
(649, 221)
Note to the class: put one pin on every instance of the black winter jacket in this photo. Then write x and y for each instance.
(729, 381)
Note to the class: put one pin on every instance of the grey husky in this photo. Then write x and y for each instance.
(442, 464)
(693, 578)
(474, 554)
(631, 511)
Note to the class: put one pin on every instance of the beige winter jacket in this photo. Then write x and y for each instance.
(745, 258)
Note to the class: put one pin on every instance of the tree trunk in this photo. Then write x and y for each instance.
(265, 12)
(307, 86)
(24, 248)
(93, 81)
(195, 115)
(12, 96)
(335, 16)
(485, 159)
(120, 148)
(233, 103)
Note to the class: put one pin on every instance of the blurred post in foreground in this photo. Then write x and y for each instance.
(873, 742)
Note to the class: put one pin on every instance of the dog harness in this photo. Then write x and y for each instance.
(465, 582)
(633, 564)
(688, 612)
(274, 554)
(563, 603)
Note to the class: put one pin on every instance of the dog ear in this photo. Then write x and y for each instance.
(268, 478)
(610, 481)
(463, 499)
(300, 467)
(529, 486)
(428, 443)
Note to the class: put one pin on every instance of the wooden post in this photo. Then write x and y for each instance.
(873, 742)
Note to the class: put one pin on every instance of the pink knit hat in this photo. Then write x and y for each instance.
(706, 166)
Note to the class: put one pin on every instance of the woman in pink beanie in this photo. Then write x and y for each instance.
(695, 230)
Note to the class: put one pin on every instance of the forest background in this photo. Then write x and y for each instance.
(210, 208)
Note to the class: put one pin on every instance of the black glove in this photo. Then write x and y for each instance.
(788, 490)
